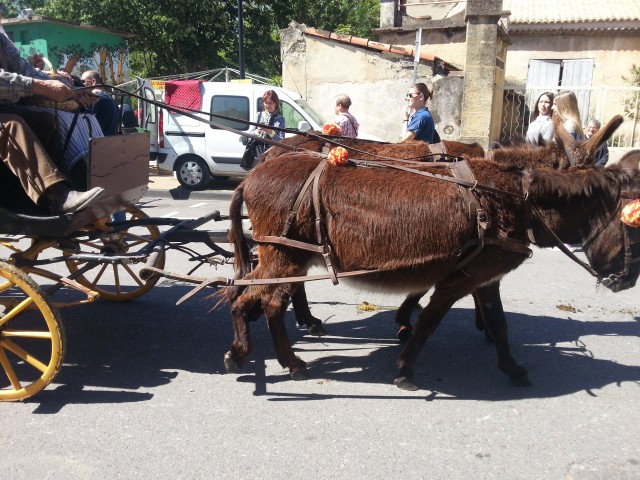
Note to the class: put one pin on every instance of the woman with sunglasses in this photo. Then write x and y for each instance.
(419, 122)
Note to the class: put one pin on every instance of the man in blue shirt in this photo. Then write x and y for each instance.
(105, 109)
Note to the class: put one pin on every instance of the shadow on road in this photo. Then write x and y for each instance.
(115, 349)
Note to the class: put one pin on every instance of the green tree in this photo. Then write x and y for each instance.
(187, 36)
(349, 17)
(632, 102)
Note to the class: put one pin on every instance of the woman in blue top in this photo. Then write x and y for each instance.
(420, 125)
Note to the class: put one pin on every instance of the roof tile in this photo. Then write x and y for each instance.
(571, 11)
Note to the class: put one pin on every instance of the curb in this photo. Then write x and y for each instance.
(181, 193)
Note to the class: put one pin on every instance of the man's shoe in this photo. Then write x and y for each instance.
(75, 201)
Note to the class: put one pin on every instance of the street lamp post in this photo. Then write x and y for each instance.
(240, 39)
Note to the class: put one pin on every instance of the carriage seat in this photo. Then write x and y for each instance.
(119, 164)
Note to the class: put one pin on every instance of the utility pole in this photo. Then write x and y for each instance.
(240, 39)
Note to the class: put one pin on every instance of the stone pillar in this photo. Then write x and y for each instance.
(388, 12)
(484, 73)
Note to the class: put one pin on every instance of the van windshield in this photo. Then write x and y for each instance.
(310, 111)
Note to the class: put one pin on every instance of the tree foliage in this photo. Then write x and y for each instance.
(183, 36)
(632, 102)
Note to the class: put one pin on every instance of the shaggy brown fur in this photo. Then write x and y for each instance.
(406, 237)
(370, 151)
(630, 160)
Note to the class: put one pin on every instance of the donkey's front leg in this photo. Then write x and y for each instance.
(403, 315)
(275, 307)
(490, 305)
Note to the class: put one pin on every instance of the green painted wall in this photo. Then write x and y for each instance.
(73, 48)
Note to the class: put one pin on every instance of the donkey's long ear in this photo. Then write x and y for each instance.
(565, 144)
(599, 138)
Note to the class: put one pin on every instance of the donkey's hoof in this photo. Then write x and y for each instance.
(403, 383)
(520, 380)
(404, 334)
(300, 374)
(317, 330)
(229, 363)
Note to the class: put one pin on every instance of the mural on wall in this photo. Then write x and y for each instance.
(111, 61)
(72, 48)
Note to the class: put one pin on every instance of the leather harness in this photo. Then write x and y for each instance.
(462, 175)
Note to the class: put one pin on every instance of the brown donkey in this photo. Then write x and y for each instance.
(406, 245)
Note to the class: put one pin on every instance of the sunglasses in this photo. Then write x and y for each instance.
(412, 95)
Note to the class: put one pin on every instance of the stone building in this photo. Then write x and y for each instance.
(486, 59)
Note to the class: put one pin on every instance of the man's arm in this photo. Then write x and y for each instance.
(58, 91)
(13, 87)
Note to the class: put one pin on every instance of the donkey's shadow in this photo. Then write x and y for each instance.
(458, 361)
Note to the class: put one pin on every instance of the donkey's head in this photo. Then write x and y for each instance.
(614, 251)
(583, 206)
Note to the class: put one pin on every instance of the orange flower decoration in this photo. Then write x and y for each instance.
(630, 214)
(331, 129)
(338, 156)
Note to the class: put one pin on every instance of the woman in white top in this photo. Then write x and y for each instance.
(541, 128)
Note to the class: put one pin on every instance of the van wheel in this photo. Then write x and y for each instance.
(193, 173)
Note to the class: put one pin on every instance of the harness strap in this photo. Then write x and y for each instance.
(289, 243)
(307, 278)
(509, 244)
(477, 215)
(313, 180)
(294, 210)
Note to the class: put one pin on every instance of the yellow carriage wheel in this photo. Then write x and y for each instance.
(32, 340)
(118, 282)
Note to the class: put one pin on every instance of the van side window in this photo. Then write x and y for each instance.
(291, 116)
(151, 109)
(231, 106)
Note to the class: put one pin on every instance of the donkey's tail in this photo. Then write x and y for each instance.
(242, 256)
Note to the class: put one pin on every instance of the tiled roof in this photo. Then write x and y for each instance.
(405, 51)
(532, 12)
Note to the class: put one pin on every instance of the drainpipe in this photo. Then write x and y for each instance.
(416, 58)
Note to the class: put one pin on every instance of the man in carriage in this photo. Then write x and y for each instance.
(29, 141)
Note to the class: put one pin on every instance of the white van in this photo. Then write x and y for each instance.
(198, 152)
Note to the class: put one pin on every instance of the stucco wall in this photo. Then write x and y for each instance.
(613, 54)
(449, 44)
(321, 69)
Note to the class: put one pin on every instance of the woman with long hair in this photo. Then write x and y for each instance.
(565, 107)
(269, 116)
(541, 128)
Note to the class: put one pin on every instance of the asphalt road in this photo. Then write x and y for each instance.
(143, 392)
